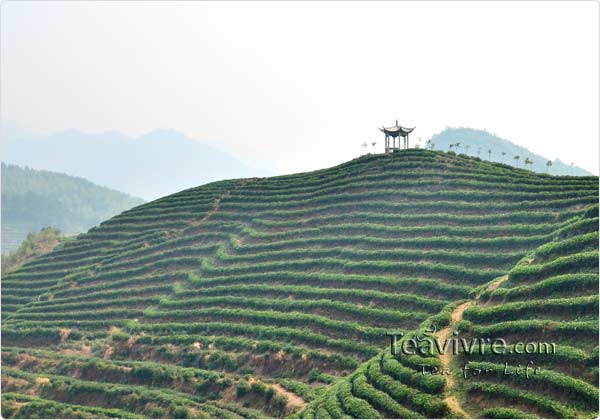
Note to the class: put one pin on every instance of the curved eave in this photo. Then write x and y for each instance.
(396, 131)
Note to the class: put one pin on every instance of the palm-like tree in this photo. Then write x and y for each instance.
(489, 154)
(364, 146)
(457, 145)
(432, 146)
(428, 144)
(528, 161)
(503, 154)
(373, 144)
(516, 158)
(450, 147)
(548, 165)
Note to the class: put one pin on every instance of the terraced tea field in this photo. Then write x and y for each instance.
(271, 297)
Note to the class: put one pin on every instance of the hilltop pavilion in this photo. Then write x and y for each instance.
(394, 132)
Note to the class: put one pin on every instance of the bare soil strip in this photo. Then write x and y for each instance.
(446, 358)
(294, 401)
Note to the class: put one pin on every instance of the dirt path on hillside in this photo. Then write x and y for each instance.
(214, 209)
(217, 201)
(444, 334)
(293, 400)
(494, 285)
(447, 357)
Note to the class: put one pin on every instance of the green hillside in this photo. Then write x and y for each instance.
(271, 297)
(550, 296)
(32, 200)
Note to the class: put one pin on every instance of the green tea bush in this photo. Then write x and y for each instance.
(356, 407)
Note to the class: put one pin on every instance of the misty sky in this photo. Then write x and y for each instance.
(299, 86)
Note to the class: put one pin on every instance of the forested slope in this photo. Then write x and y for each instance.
(33, 200)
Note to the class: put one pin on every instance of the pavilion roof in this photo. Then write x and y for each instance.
(396, 130)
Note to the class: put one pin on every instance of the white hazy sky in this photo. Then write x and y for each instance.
(301, 85)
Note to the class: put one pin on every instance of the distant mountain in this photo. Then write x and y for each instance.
(159, 163)
(480, 141)
(32, 200)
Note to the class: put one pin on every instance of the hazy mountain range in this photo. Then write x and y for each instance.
(479, 142)
(165, 161)
(150, 166)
